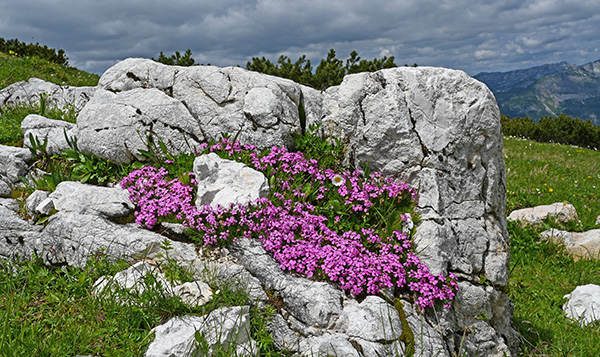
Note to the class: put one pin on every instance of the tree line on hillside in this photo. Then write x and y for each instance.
(22, 49)
(329, 72)
(562, 129)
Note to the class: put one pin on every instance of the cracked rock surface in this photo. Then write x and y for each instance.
(115, 126)
(138, 96)
(57, 95)
(46, 129)
(439, 130)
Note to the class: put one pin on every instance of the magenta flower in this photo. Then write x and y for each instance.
(296, 225)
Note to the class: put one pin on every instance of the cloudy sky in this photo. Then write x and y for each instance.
(474, 36)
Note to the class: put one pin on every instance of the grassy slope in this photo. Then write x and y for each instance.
(15, 69)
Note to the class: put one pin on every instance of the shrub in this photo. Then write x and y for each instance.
(329, 72)
(561, 129)
(17, 48)
(176, 59)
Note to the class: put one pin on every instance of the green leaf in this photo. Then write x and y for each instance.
(336, 205)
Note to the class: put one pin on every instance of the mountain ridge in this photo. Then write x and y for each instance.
(548, 90)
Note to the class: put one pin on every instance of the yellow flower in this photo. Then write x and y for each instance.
(550, 189)
(545, 184)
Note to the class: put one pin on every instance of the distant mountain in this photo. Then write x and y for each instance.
(550, 89)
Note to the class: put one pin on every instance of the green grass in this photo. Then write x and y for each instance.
(542, 273)
(48, 311)
(12, 116)
(51, 312)
(543, 173)
(15, 69)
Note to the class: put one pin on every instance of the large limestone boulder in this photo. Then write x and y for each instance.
(439, 130)
(116, 126)
(138, 97)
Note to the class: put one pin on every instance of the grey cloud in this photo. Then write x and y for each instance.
(473, 36)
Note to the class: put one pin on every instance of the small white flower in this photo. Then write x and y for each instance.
(337, 180)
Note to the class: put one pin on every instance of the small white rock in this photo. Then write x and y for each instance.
(583, 304)
(195, 293)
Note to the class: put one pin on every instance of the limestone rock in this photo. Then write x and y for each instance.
(439, 130)
(44, 207)
(221, 100)
(13, 163)
(34, 200)
(18, 238)
(428, 340)
(132, 280)
(5, 190)
(194, 293)
(135, 73)
(47, 129)
(583, 304)
(477, 307)
(224, 329)
(579, 244)
(224, 182)
(373, 320)
(57, 95)
(77, 237)
(311, 302)
(115, 126)
(264, 107)
(238, 276)
(76, 197)
(329, 345)
(561, 211)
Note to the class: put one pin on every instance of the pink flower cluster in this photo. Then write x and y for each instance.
(296, 225)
